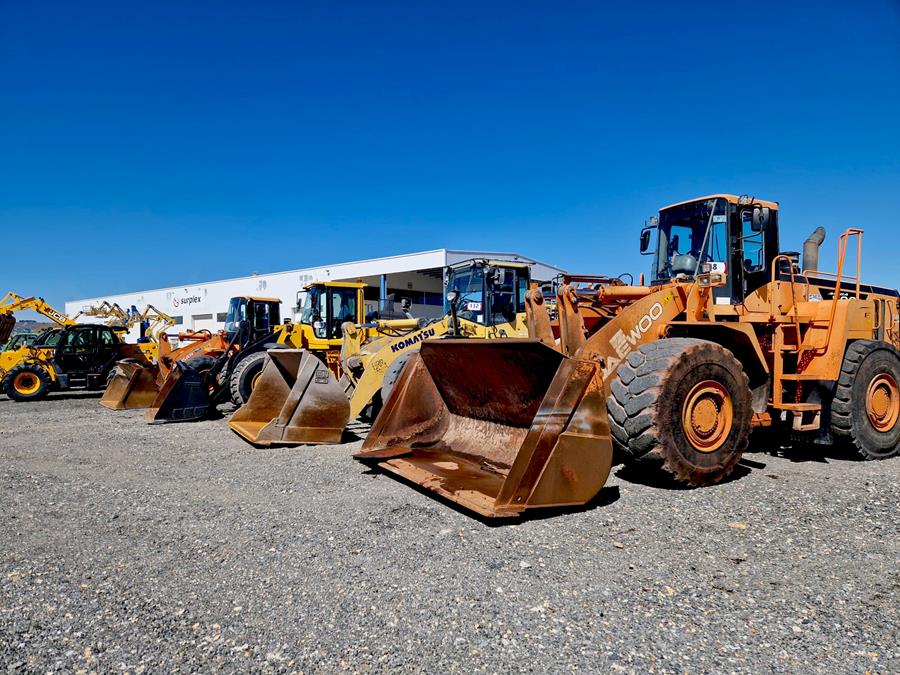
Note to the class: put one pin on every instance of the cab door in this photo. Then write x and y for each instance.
(77, 350)
(107, 350)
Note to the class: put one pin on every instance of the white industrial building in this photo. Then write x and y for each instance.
(416, 276)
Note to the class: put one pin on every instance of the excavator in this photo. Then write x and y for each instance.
(296, 401)
(73, 356)
(731, 333)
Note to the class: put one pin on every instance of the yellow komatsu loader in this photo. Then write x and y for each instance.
(296, 401)
(731, 333)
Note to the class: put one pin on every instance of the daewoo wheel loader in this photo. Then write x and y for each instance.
(296, 401)
(729, 334)
(74, 356)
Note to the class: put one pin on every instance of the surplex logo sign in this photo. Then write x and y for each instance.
(186, 301)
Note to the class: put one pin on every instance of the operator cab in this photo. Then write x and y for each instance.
(735, 238)
(262, 315)
(327, 307)
(486, 293)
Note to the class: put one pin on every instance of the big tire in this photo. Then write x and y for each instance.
(244, 377)
(685, 403)
(27, 382)
(866, 404)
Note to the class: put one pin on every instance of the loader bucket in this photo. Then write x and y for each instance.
(295, 401)
(497, 426)
(133, 386)
(7, 323)
(183, 397)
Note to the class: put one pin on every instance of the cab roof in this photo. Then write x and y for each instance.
(259, 298)
(336, 284)
(732, 199)
(493, 263)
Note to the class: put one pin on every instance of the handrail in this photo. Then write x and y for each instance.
(790, 263)
(842, 254)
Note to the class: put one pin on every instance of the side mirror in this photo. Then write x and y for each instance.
(405, 304)
(492, 276)
(760, 219)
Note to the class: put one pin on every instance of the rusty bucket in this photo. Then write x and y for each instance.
(295, 401)
(497, 426)
(132, 386)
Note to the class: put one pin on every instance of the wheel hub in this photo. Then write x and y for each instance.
(27, 383)
(707, 416)
(883, 402)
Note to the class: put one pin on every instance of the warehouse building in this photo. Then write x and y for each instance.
(418, 277)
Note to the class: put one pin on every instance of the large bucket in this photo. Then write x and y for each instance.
(296, 400)
(183, 397)
(497, 426)
(133, 386)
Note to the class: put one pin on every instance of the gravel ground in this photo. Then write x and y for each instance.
(179, 547)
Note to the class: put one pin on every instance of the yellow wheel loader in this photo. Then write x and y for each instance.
(74, 356)
(731, 333)
(296, 401)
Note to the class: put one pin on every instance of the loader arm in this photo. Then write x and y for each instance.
(377, 363)
(13, 303)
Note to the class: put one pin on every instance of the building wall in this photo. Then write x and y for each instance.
(199, 306)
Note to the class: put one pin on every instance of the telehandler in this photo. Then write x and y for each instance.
(296, 401)
(74, 356)
(730, 333)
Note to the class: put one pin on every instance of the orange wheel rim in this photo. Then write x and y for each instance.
(883, 402)
(27, 383)
(707, 416)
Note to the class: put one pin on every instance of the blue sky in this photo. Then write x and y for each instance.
(154, 144)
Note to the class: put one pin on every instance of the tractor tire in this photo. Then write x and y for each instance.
(866, 404)
(684, 403)
(244, 377)
(27, 382)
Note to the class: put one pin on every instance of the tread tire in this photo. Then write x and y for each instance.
(646, 400)
(244, 374)
(38, 372)
(850, 424)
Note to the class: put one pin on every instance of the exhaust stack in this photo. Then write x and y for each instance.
(811, 250)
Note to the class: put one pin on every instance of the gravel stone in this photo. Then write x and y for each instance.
(138, 548)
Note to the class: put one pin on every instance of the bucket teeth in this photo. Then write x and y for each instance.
(497, 426)
(296, 400)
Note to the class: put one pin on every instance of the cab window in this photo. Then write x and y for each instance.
(85, 338)
(753, 244)
(107, 338)
(262, 319)
(507, 297)
(343, 309)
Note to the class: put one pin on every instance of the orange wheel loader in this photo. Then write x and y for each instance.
(731, 333)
